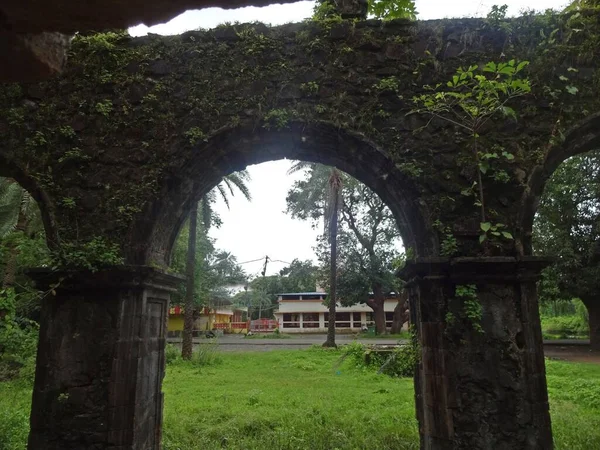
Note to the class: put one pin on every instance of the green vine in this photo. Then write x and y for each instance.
(469, 101)
(472, 309)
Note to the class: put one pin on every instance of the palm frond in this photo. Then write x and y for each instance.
(300, 165)
(11, 198)
(223, 193)
(239, 180)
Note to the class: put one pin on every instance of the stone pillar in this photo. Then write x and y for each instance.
(100, 361)
(479, 388)
(322, 321)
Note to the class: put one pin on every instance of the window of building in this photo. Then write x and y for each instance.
(310, 320)
(389, 318)
(291, 320)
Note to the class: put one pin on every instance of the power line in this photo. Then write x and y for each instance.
(254, 260)
(262, 258)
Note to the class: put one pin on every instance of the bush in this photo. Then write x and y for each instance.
(564, 326)
(399, 362)
(206, 355)
(172, 354)
(18, 341)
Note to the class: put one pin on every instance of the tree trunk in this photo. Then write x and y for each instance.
(190, 269)
(377, 304)
(400, 313)
(593, 307)
(333, 228)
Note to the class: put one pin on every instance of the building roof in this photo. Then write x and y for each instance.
(287, 295)
(303, 293)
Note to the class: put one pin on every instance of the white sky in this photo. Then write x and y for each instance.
(253, 230)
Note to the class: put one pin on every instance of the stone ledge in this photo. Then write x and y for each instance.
(476, 269)
(106, 279)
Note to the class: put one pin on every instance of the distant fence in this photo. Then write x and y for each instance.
(263, 325)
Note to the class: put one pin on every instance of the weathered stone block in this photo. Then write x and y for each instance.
(94, 331)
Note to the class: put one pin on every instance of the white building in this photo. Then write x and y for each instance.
(304, 312)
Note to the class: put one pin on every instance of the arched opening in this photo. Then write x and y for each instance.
(234, 149)
(41, 201)
(22, 246)
(303, 321)
(566, 228)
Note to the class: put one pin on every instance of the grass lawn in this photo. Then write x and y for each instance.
(302, 400)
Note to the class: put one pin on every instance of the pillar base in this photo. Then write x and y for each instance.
(100, 361)
(480, 383)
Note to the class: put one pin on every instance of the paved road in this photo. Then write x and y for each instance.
(236, 342)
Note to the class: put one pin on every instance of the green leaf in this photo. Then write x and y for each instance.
(509, 112)
(563, 78)
(572, 90)
(490, 67)
(507, 235)
(482, 237)
(522, 64)
(485, 226)
(495, 233)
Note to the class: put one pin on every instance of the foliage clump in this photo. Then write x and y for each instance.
(399, 362)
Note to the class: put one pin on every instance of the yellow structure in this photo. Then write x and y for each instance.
(225, 318)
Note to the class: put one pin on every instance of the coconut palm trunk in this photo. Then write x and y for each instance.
(235, 180)
(190, 270)
(332, 221)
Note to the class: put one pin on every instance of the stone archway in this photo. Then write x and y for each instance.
(581, 138)
(10, 170)
(132, 124)
(234, 149)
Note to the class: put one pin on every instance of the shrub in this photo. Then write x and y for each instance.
(206, 355)
(400, 362)
(172, 354)
(18, 341)
(564, 326)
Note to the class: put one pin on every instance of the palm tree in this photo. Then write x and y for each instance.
(18, 213)
(225, 188)
(333, 191)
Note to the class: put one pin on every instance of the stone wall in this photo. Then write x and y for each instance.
(35, 35)
(135, 130)
(100, 360)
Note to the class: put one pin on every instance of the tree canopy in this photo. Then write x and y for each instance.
(369, 240)
(567, 227)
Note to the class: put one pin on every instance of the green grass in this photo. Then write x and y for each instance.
(304, 400)
(15, 404)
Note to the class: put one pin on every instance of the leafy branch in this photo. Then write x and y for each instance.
(469, 100)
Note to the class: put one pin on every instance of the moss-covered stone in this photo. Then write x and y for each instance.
(137, 129)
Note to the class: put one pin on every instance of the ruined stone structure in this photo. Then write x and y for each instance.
(35, 35)
(118, 148)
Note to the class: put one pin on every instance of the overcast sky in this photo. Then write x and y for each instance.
(253, 230)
